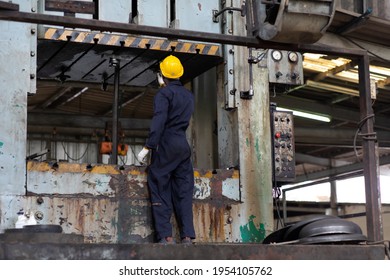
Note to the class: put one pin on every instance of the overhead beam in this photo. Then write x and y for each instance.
(334, 135)
(329, 162)
(71, 7)
(98, 86)
(337, 171)
(73, 134)
(8, 6)
(173, 34)
(334, 71)
(330, 39)
(74, 96)
(385, 84)
(80, 121)
(125, 103)
(331, 88)
(62, 91)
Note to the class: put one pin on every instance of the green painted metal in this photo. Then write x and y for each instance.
(252, 233)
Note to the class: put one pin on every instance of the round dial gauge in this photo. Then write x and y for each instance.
(276, 55)
(293, 57)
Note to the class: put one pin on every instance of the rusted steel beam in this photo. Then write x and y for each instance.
(370, 157)
(172, 34)
(70, 6)
(8, 6)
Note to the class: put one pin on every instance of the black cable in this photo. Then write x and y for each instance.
(123, 159)
(366, 136)
(276, 192)
(66, 153)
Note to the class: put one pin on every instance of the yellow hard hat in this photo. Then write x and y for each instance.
(171, 67)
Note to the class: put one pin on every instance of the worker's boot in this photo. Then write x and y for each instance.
(186, 240)
(167, 240)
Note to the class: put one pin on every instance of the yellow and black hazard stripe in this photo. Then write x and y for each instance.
(109, 39)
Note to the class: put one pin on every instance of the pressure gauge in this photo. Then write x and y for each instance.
(276, 55)
(293, 57)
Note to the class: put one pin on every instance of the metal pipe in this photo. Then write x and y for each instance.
(284, 201)
(333, 197)
(114, 156)
(218, 13)
(354, 22)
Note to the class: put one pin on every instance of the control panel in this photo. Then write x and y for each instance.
(283, 143)
(285, 67)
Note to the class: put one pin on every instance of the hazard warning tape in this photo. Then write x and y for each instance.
(109, 39)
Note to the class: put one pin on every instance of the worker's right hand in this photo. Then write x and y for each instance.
(142, 155)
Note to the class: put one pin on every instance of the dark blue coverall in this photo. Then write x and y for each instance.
(170, 174)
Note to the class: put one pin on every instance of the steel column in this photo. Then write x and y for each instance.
(256, 213)
(18, 78)
(370, 157)
(227, 124)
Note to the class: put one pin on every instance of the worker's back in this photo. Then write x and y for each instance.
(173, 107)
(181, 107)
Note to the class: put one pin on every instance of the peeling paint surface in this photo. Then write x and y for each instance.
(254, 153)
(202, 188)
(108, 205)
(17, 65)
(258, 151)
(230, 189)
(209, 222)
(78, 183)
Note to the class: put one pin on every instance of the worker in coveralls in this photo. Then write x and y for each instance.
(170, 173)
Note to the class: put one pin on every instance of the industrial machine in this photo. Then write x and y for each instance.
(290, 21)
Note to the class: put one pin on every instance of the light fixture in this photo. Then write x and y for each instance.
(306, 115)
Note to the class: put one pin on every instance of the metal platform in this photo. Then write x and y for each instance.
(34, 247)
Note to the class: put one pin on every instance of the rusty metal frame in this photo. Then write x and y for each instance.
(169, 33)
(11, 12)
(71, 7)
